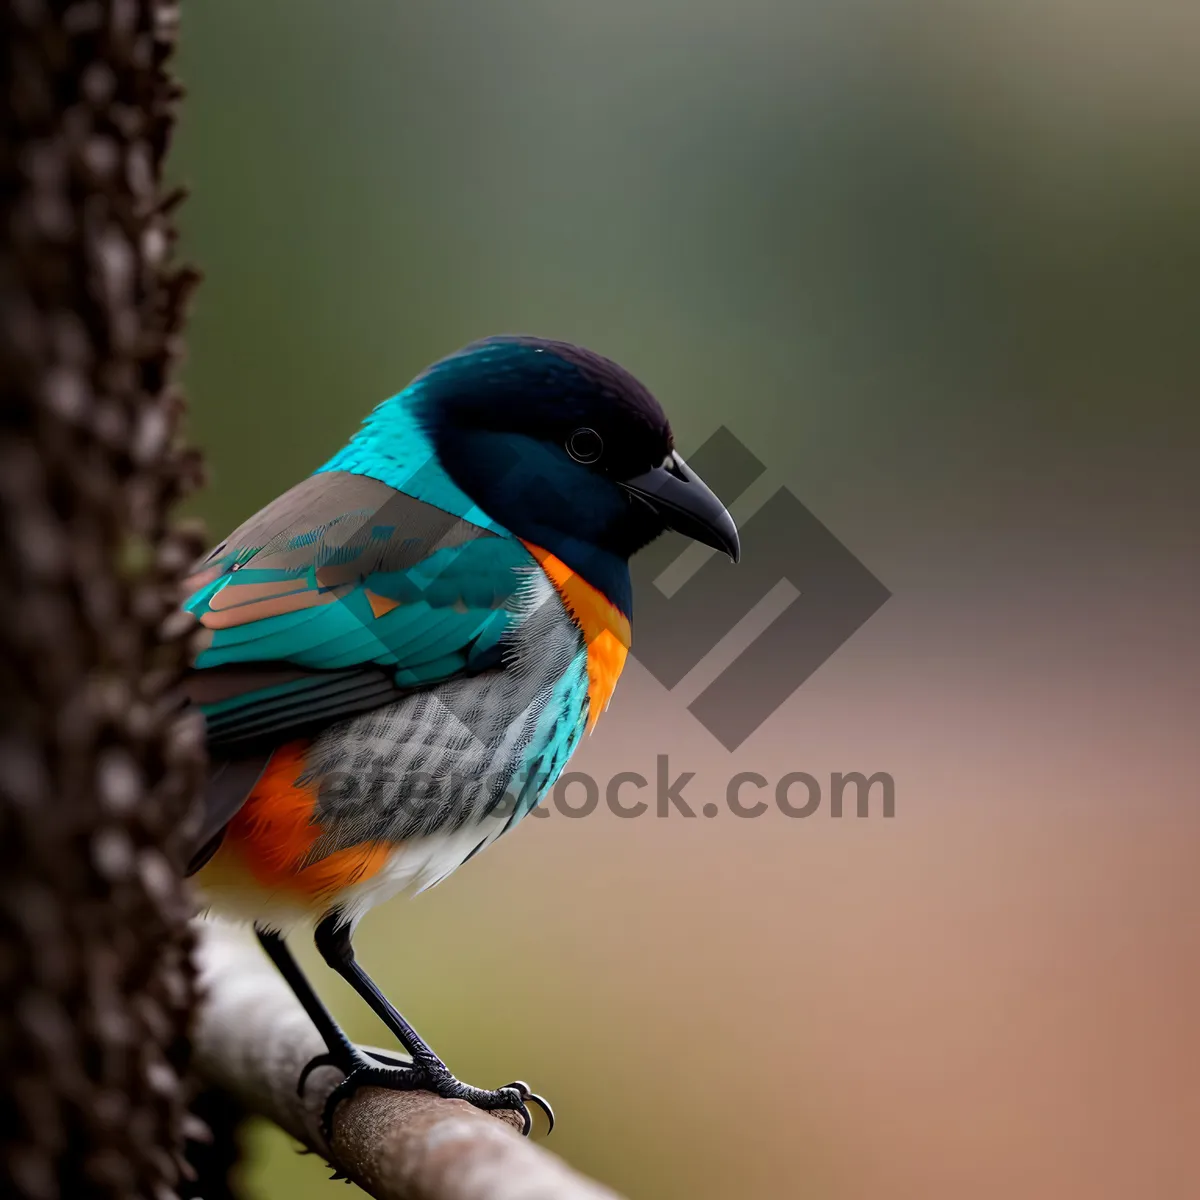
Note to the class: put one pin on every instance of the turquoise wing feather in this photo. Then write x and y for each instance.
(340, 595)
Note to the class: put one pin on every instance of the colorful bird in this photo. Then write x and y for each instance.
(400, 654)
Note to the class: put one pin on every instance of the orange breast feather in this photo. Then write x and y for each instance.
(272, 837)
(605, 629)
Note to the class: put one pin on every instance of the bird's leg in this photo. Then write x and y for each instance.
(340, 1050)
(428, 1072)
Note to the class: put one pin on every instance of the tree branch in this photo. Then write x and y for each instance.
(253, 1039)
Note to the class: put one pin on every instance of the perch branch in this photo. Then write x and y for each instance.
(253, 1038)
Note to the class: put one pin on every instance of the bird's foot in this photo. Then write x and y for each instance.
(349, 1060)
(516, 1096)
(366, 1068)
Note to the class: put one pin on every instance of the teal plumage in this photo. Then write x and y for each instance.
(394, 447)
(400, 654)
(391, 447)
(450, 601)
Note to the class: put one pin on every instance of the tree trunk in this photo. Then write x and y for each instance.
(96, 769)
(214, 1159)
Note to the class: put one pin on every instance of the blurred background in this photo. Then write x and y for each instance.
(935, 264)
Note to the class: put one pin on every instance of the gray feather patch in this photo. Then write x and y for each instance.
(438, 759)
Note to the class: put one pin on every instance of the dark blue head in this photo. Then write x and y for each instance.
(568, 451)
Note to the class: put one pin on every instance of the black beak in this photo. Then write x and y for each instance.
(686, 504)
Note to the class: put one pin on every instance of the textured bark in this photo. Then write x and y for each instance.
(216, 1149)
(96, 771)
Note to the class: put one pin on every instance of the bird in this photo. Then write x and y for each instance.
(395, 659)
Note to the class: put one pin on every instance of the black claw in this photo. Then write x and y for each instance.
(530, 1097)
(522, 1108)
(321, 1060)
(544, 1105)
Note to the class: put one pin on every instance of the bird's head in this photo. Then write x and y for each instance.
(568, 451)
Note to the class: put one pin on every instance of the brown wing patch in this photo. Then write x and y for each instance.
(247, 593)
(272, 606)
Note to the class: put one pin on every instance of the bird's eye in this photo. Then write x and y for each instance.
(585, 445)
